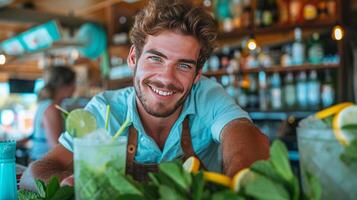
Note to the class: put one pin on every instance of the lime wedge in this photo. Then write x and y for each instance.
(347, 117)
(80, 122)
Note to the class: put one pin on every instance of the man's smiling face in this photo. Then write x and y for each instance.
(165, 72)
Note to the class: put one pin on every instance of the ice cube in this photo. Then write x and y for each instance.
(312, 122)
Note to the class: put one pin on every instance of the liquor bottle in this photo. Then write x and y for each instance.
(247, 11)
(331, 8)
(298, 48)
(310, 10)
(232, 88)
(224, 15)
(253, 99)
(236, 8)
(322, 9)
(8, 184)
(243, 92)
(263, 91)
(327, 90)
(283, 7)
(267, 15)
(286, 59)
(275, 91)
(289, 91)
(224, 62)
(258, 14)
(295, 11)
(301, 90)
(313, 90)
(315, 51)
(214, 63)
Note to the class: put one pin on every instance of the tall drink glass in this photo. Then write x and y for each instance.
(320, 155)
(97, 162)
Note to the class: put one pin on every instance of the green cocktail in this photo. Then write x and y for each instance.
(320, 154)
(98, 164)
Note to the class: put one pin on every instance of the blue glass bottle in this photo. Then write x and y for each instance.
(8, 186)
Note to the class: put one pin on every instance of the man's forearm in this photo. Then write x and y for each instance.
(45, 169)
(242, 145)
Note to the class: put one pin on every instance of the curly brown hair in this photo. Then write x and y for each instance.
(179, 16)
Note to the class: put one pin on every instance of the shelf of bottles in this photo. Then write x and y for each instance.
(296, 78)
(241, 17)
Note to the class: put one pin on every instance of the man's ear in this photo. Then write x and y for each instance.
(198, 76)
(131, 60)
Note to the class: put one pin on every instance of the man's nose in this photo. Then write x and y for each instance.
(169, 72)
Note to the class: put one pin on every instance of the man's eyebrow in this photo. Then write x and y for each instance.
(158, 53)
(193, 62)
(153, 51)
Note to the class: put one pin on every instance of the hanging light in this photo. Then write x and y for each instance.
(338, 32)
(252, 44)
(2, 59)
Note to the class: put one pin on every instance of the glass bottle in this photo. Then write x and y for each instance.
(301, 90)
(327, 90)
(298, 48)
(313, 90)
(275, 92)
(315, 51)
(8, 185)
(289, 91)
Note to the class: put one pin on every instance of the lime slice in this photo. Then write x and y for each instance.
(217, 178)
(344, 119)
(80, 122)
(192, 164)
(242, 178)
(332, 110)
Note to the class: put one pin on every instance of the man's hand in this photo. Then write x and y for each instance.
(242, 145)
(68, 181)
(58, 162)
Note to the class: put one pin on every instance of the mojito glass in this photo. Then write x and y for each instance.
(320, 155)
(97, 164)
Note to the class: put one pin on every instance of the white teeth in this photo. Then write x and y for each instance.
(162, 93)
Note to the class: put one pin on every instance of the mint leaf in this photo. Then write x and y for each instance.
(350, 126)
(197, 186)
(52, 187)
(168, 193)
(313, 186)
(227, 194)
(41, 188)
(349, 154)
(175, 172)
(64, 193)
(266, 168)
(328, 121)
(27, 195)
(280, 161)
(263, 188)
(121, 183)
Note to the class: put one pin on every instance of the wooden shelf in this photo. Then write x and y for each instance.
(278, 28)
(274, 69)
(278, 115)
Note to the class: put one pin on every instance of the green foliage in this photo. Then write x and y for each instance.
(51, 191)
(349, 154)
(273, 179)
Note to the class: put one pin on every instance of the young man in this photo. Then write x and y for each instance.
(174, 110)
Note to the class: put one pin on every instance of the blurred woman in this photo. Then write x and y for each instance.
(48, 122)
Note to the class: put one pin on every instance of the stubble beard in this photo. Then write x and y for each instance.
(146, 106)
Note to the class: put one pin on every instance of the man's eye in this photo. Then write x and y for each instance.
(185, 66)
(155, 58)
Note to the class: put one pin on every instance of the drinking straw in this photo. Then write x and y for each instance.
(61, 109)
(126, 123)
(107, 117)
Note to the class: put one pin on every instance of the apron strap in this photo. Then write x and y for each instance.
(131, 150)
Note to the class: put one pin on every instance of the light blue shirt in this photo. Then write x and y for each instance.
(39, 140)
(208, 107)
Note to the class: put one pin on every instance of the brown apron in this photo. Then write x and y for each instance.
(140, 171)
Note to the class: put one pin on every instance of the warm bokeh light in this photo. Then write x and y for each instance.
(337, 32)
(2, 59)
(252, 45)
